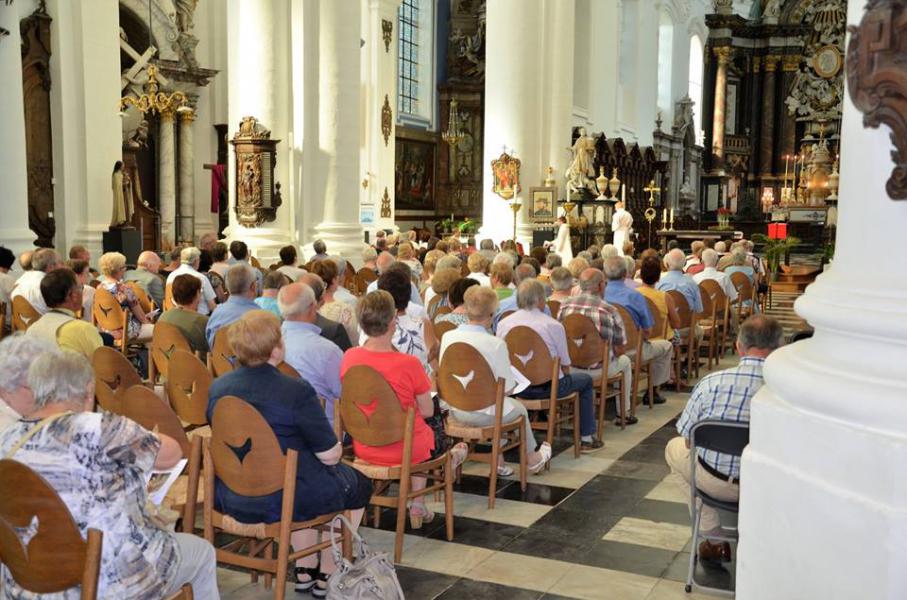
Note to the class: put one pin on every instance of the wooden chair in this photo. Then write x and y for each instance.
(587, 349)
(434, 306)
(144, 299)
(255, 262)
(165, 340)
(745, 293)
(388, 424)
(529, 354)
(145, 408)
(188, 382)
(688, 349)
(168, 297)
(23, 314)
(443, 327)
(506, 314)
(55, 558)
(113, 375)
(660, 328)
(635, 346)
(262, 470)
(287, 369)
(366, 275)
(221, 357)
(467, 383)
(555, 307)
(108, 315)
(185, 593)
(721, 310)
(2, 319)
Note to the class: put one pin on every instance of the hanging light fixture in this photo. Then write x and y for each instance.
(454, 134)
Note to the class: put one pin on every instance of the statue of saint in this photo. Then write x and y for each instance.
(122, 210)
(581, 172)
(621, 225)
(139, 138)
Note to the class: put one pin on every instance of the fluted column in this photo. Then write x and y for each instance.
(528, 109)
(823, 499)
(724, 57)
(767, 134)
(338, 131)
(14, 231)
(167, 178)
(187, 178)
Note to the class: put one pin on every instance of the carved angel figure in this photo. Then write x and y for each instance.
(581, 172)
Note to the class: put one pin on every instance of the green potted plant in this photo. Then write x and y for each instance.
(448, 226)
(775, 251)
(467, 227)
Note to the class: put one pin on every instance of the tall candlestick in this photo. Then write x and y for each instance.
(786, 163)
(623, 194)
(664, 215)
(672, 216)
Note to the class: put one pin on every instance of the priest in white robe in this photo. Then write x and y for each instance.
(621, 224)
(561, 243)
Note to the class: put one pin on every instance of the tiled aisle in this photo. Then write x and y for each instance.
(607, 525)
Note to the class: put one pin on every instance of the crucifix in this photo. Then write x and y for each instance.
(652, 191)
(650, 211)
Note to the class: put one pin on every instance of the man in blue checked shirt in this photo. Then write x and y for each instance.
(723, 395)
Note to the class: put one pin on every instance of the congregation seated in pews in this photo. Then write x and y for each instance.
(347, 389)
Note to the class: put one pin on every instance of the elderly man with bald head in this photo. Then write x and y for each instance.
(316, 359)
(146, 275)
(330, 330)
(607, 321)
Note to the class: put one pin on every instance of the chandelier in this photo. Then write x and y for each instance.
(155, 101)
(454, 134)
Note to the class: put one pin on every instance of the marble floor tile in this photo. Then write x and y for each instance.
(467, 589)
(658, 510)
(673, 590)
(668, 491)
(580, 581)
(445, 557)
(508, 512)
(668, 536)
(517, 570)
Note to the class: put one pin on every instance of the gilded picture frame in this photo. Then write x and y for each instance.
(542, 204)
(506, 173)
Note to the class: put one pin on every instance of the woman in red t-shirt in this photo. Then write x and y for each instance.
(376, 314)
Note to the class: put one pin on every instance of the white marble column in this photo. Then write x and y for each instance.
(186, 177)
(380, 83)
(259, 66)
(528, 108)
(338, 128)
(166, 165)
(723, 56)
(14, 231)
(823, 510)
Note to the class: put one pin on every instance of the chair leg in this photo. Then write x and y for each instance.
(347, 536)
(524, 450)
(376, 517)
(449, 499)
(283, 554)
(401, 518)
(694, 550)
(576, 432)
(601, 407)
(552, 418)
(621, 409)
(269, 577)
(493, 474)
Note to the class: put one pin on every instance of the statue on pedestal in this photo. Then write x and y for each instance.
(122, 205)
(580, 174)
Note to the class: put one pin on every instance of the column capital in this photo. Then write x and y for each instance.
(791, 63)
(771, 62)
(757, 63)
(167, 115)
(723, 53)
(187, 116)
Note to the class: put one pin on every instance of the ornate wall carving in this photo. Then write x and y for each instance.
(257, 194)
(36, 84)
(876, 57)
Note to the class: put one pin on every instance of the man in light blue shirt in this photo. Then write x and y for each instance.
(509, 304)
(674, 279)
(617, 292)
(243, 288)
(316, 359)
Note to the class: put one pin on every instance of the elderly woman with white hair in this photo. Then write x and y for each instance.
(113, 268)
(98, 462)
(189, 261)
(17, 353)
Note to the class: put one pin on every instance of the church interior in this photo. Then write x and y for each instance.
(331, 298)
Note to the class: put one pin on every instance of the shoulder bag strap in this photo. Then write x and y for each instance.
(34, 430)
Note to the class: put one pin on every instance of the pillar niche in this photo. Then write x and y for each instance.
(525, 57)
(828, 441)
(723, 55)
(186, 178)
(338, 131)
(14, 229)
(167, 178)
(767, 134)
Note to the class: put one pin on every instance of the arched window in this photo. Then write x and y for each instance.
(694, 89)
(665, 61)
(415, 73)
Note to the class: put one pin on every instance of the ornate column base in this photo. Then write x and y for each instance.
(264, 242)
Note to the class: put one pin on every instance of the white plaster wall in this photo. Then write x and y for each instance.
(603, 75)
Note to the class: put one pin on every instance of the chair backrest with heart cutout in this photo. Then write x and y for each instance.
(465, 380)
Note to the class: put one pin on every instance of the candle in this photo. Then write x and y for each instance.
(664, 215)
(672, 216)
(786, 163)
(623, 194)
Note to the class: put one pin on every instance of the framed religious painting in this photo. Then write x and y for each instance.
(414, 175)
(506, 172)
(542, 204)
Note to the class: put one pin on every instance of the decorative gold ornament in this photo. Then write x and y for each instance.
(601, 183)
(827, 62)
(385, 205)
(454, 134)
(506, 172)
(257, 193)
(614, 183)
(771, 62)
(187, 116)
(549, 177)
(154, 100)
(791, 63)
(386, 119)
(723, 53)
(387, 32)
(515, 207)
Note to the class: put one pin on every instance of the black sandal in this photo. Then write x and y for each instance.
(318, 591)
(304, 586)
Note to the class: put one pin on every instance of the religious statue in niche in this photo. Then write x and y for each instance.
(257, 194)
(122, 199)
(580, 174)
(506, 172)
(139, 138)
